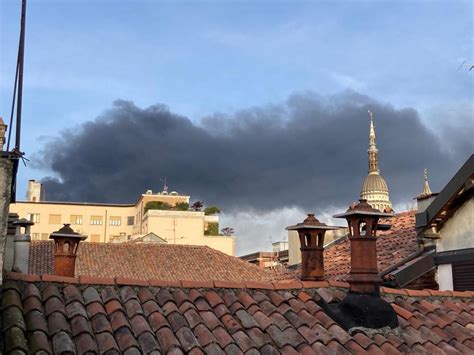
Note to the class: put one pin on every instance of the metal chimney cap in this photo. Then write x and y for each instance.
(23, 222)
(362, 209)
(311, 222)
(66, 232)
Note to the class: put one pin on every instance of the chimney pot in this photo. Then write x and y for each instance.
(311, 233)
(363, 223)
(66, 243)
(22, 243)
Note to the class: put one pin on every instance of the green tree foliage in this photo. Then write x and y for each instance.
(212, 229)
(196, 206)
(157, 205)
(211, 210)
(181, 206)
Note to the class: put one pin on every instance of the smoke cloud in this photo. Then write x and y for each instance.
(307, 152)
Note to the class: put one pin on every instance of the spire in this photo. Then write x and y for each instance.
(373, 160)
(426, 186)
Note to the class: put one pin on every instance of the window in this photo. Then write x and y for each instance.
(95, 238)
(76, 219)
(33, 217)
(96, 220)
(130, 221)
(54, 219)
(462, 275)
(115, 221)
(35, 236)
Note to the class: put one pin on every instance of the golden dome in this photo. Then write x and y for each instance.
(374, 183)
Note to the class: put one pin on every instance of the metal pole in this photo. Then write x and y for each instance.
(10, 127)
(20, 75)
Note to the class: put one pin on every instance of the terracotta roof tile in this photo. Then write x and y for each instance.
(141, 319)
(143, 262)
(157, 321)
(389, 349)
(204, 335)
(222, 336)
(38, 342)
(80, 325)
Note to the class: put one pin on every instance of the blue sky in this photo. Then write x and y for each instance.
(202, 57)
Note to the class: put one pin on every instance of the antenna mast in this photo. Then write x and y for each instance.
(16, 154)
(165, 187)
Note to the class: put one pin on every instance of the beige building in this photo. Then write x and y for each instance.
(103, 222)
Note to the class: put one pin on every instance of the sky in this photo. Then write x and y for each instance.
(256, 106)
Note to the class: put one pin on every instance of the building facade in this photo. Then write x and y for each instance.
(276, 259)
(445, 222)
(374, 188)
(102, 222)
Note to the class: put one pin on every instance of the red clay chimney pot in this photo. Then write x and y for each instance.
(363, 222)
(66, 243)
(311, 233)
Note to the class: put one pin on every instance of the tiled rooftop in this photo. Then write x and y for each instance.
(149, 261)
(54, 314)
(393, 246)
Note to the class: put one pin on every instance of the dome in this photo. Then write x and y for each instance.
(374, 183)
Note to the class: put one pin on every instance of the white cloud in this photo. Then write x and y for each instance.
(256, 230)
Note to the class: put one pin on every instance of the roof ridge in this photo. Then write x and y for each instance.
(270, 285)
(147, 245)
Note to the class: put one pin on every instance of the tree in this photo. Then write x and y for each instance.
(181, 206)
(157, 205)
(211, 210)
(197, 206)
(227, 231)
(212, 229)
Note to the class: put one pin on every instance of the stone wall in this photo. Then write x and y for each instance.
(6, 171)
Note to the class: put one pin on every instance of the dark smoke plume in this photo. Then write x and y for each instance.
(309, 151)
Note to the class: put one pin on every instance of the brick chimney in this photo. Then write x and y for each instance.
(311, 233)
(363, 306)
(21, 247)
(362, 220)
(66, 243)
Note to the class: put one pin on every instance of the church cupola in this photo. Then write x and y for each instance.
(374, 188)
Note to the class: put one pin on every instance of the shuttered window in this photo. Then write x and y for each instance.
(54, 219)
(76, 219)
(115, 221)
(96, 220)
(462, 275)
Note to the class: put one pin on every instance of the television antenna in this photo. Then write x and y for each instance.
(165, 186)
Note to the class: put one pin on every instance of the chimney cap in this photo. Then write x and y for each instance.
(23, 222)
(362, 209)
(311, 222)
(66, 232)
